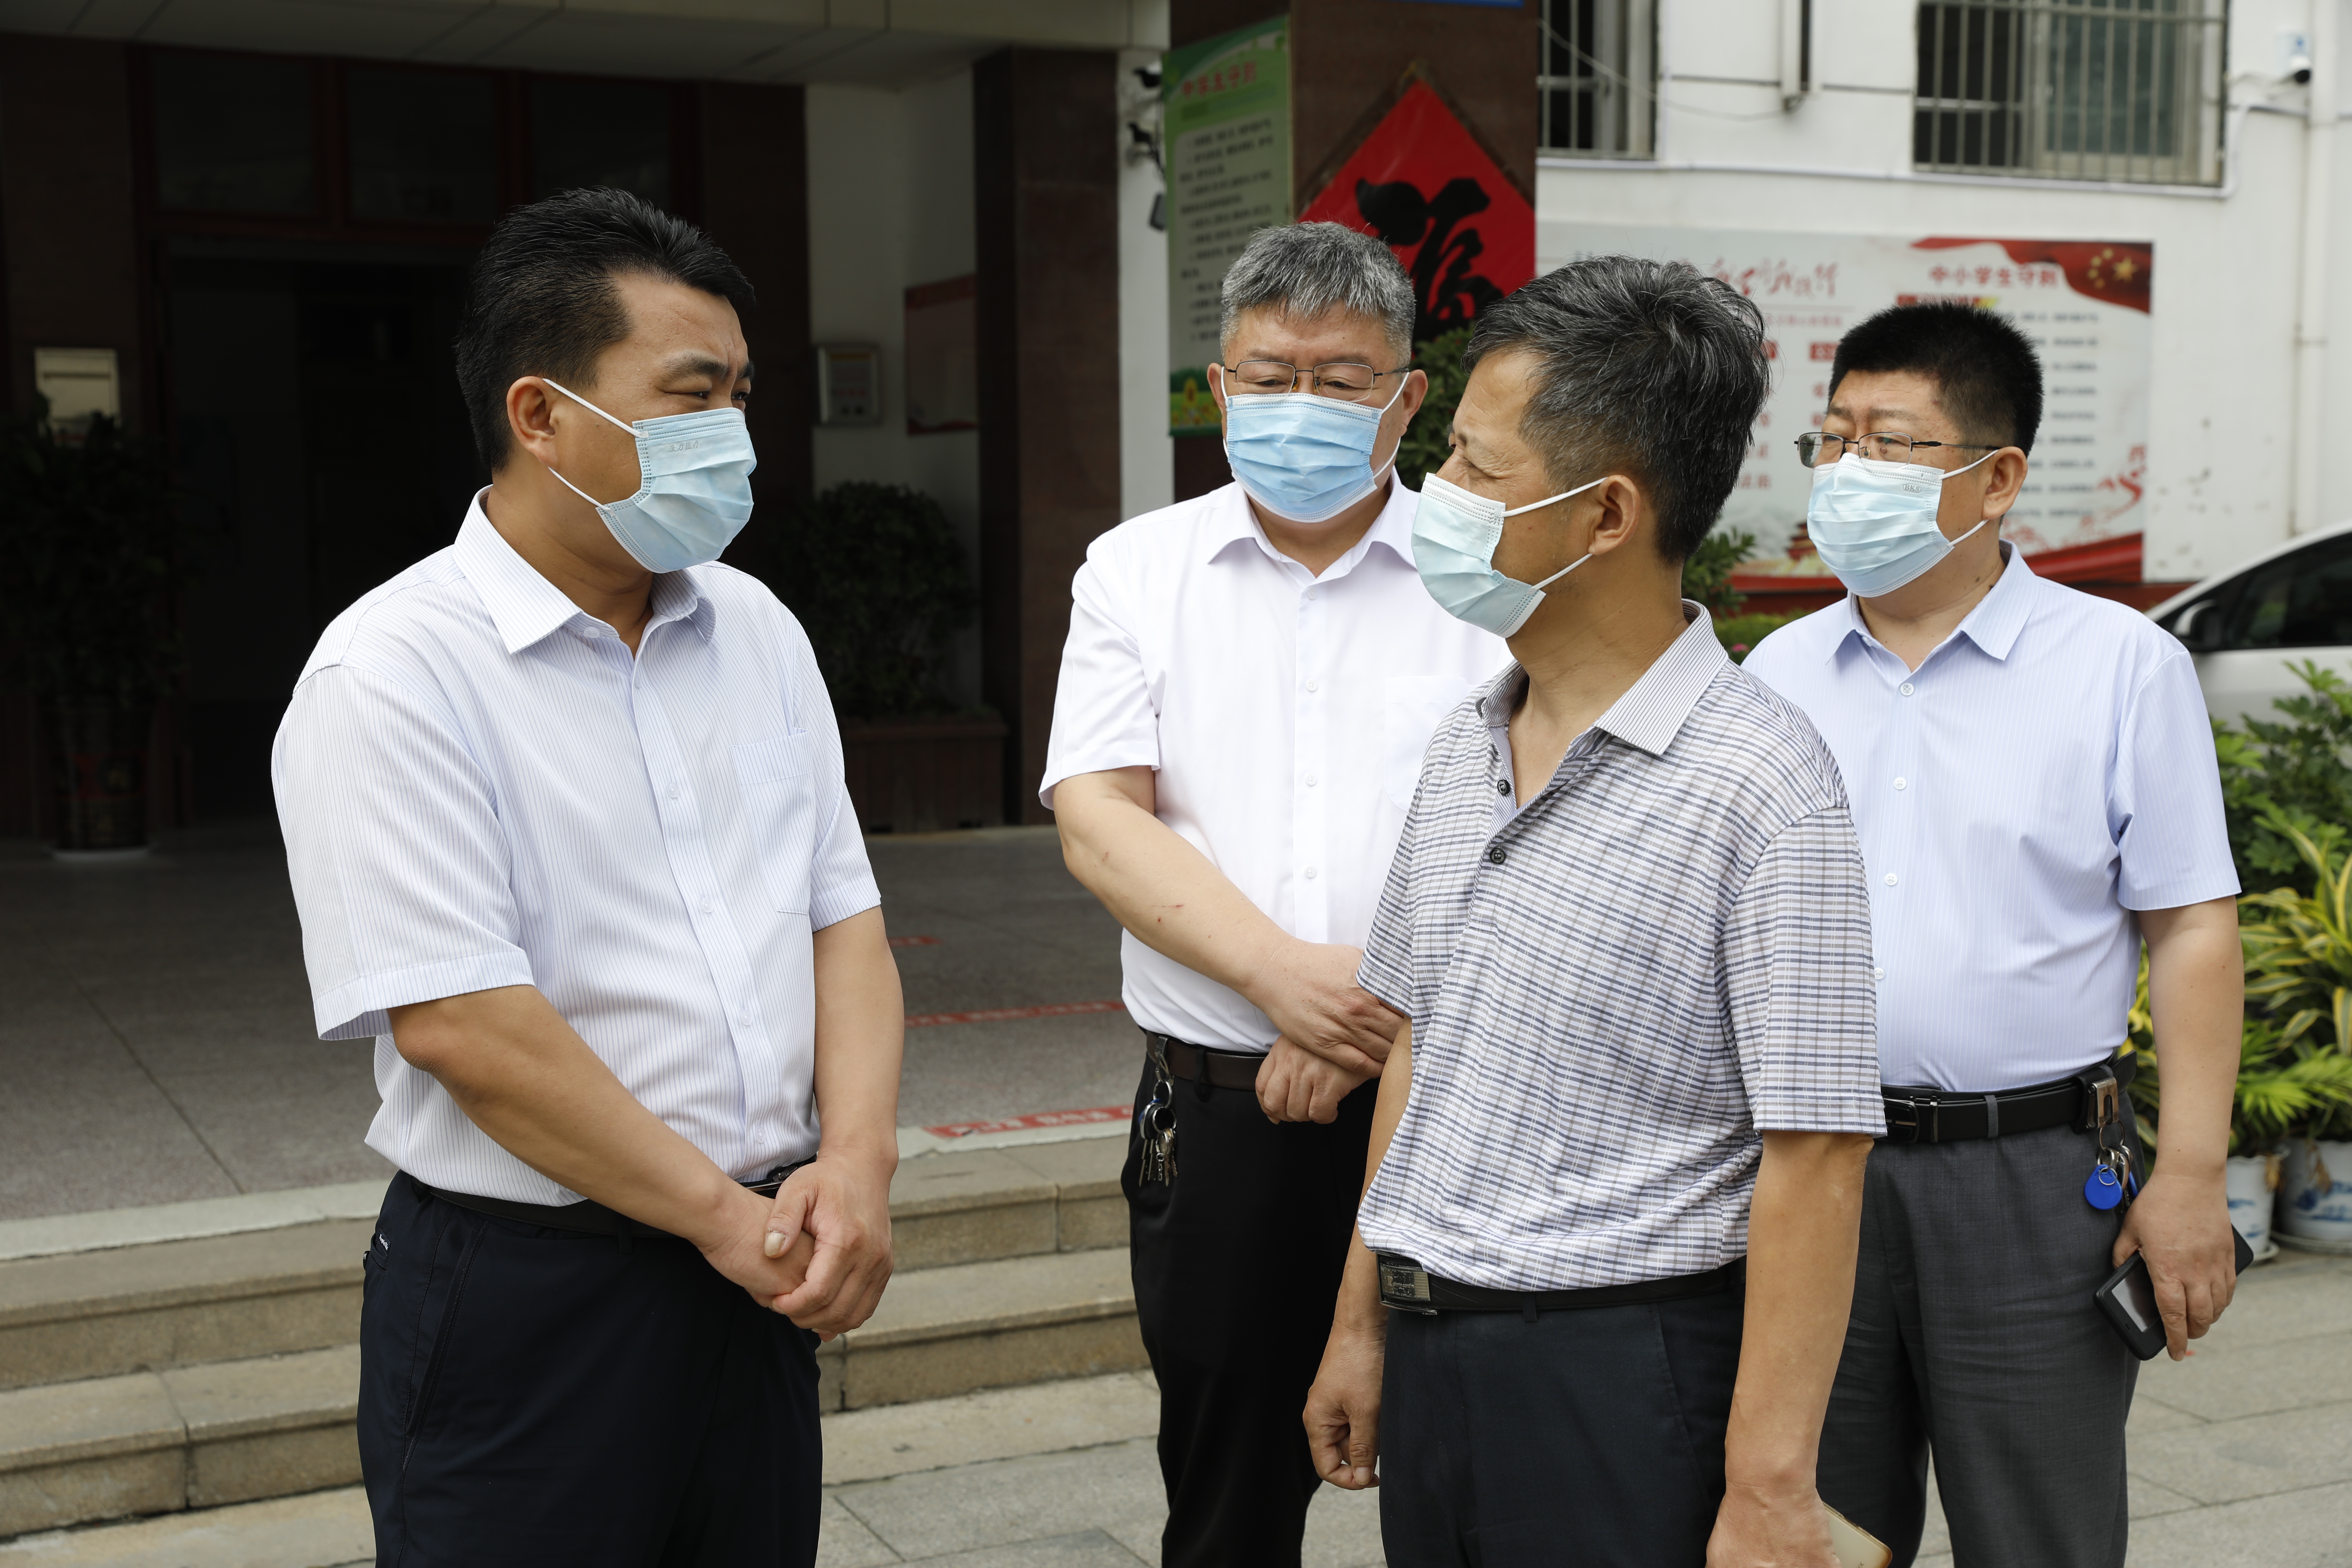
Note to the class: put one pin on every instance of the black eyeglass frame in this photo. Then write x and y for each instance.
(1317, 381)
(1820, 436)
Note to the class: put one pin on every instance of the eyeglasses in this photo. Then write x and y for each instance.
(1816, 447)
(1347, 381)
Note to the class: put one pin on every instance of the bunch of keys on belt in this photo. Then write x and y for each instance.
(2111, 1181)
(1156, 1123)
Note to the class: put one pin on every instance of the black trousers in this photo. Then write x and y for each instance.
(1237, 1265)
(534, 1395)
(1974, 1334)
(1575, 1439)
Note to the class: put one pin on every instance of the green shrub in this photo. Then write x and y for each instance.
(879, 580)
(93, 544)
(1741, 634)
(2296, 769)
(1429, 438)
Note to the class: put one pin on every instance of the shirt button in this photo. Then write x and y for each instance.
(1310, 781)
(1495, 857)
(1907, 689)
(1901, 783)
(1313, 686)
(1878, 974)
(1502, 786)
(1310, 873)
(1311, 594)
(673, 792)
(1890, 879)
(705, 906)
(744, 1019)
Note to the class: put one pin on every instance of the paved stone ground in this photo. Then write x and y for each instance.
(156, 1040)
(2240, 1456)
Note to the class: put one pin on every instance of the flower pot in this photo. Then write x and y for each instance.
(100, 750)
(2315, 1198)
(2252, 1182)
(925, 774)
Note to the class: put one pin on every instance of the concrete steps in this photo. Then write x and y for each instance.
(223, 1370)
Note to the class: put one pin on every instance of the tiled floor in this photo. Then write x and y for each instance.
(156, 1040)
(2240, 1458)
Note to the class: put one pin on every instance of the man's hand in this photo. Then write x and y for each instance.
(1343, 1408)
(2180, 1224)
(736, 1245)
(1296, 1086)
(1780, 1526)
(1309, 990)
(837, 1215)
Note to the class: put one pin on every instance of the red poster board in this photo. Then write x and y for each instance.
(1422, 183)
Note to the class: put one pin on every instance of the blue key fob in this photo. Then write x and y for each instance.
(2103, 1190)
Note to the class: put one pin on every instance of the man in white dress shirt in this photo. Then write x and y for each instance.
(565, 816)
(1250, 681)
(2032, 777)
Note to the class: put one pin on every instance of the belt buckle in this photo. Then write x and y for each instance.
(1925, 1123)
(1404, 1286)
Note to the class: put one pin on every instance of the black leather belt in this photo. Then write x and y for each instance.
(2086, 1101)
(586, 1217)
(1409, 1288)
(1220, 1069)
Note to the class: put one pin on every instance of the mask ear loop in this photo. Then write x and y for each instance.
(627, 428)
(1562, 496)
(1955, 473)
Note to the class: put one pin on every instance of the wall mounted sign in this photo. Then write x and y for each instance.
(1228, 139)
(943, 356)
(2084, 304)
(848, 384)
(1421, 182)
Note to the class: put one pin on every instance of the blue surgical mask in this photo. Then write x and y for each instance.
(1874, 523)
(1453, 537)
(694, 489)
(1303, 456)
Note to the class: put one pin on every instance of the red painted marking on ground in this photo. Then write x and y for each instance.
(914, 941)
(1006, 1014)
(1099, 1113)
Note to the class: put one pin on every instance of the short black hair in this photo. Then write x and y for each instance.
(540, 299)
(1650, 366)
(1987, 376)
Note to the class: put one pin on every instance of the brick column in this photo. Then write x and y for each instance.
(1046, 143)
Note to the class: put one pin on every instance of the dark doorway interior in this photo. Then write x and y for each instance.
(317, 417)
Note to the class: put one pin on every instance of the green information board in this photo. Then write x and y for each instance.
(1228, 139)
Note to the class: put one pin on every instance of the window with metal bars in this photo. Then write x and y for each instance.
(2126, 90)
(1598, 95)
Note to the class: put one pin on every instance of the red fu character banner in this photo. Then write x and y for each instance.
(1421, 182)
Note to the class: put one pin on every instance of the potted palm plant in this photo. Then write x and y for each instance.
(879, 580)
(92, 548)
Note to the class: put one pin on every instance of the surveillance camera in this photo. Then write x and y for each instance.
(2298, 71)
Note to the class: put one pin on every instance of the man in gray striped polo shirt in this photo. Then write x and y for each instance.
(1627, 924)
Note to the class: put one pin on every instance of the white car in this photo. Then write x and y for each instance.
(2246, 627)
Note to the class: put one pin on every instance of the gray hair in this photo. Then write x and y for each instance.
(1649, 366)
(1305, 270)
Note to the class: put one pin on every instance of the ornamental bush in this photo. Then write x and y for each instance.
(879, 580)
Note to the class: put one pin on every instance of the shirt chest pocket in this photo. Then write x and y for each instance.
(1410, 707)
(779, 783)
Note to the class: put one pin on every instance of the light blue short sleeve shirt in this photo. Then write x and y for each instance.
(2045, 773)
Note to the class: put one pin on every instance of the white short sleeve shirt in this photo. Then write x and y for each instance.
(480, 787)
(2046, 771)
(1285, 716)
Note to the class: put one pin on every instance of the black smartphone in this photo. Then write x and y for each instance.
(2128, 1298)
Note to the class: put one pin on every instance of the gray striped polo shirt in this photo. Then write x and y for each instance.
(1615, 989)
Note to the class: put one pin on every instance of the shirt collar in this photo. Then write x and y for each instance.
(1653, 709)
(525, 606)
(1232, 521)
(1992, 626)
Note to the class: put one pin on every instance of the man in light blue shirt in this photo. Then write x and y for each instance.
(2034, 780)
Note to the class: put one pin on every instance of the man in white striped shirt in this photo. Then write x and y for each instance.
(565, 819)
(2032, 777)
